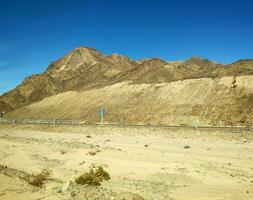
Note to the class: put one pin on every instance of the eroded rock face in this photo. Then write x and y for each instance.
(5, 107)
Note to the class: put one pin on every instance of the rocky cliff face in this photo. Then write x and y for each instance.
(85, 69)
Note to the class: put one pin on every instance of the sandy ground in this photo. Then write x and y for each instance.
(154, 164)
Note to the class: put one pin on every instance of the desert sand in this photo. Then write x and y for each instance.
(161, 164)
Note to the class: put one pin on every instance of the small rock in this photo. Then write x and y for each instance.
(57, 189)
(65, 186)
(187, 147)
(73, 194)
(88, 136)
(146, 145)
(81, 163)
(2, 194)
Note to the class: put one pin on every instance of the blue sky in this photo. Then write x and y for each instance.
(34, 33)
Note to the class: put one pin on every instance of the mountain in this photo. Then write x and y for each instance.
(86, 70)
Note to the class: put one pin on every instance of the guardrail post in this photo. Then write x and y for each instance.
(196, 124)
(153, 126)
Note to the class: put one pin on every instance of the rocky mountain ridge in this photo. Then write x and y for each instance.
(85, 69)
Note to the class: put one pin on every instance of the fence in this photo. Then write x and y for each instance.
(121, 124)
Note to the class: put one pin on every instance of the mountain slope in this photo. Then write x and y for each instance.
(213, 101)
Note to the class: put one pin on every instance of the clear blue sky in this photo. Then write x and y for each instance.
(34, 33)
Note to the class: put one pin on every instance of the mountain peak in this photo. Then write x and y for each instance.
(116, 56)
(86, 48)
(87, 51)
(195, 59)
(201, 62)
(122, 61)
(243, 61)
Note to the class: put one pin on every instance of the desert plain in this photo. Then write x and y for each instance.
(160, 164)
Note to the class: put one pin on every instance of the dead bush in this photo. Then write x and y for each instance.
(91, 153)
(93, 177)
(38, 180)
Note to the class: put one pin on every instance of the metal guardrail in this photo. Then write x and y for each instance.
(120, 124)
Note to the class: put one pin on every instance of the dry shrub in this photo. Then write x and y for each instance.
(93, 177)
(91, 153)
(63, 152)
(37, 180)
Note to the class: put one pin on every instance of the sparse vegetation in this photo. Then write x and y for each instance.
(92, 153)
(38, 180)
(137, 197)
(93, 177)
(63, 152)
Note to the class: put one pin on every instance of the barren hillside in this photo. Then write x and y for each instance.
(213, 101)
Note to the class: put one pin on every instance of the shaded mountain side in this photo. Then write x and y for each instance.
(156, 70)
(199, 63)
(150, 71)
(241, 67)
(5, 107)
(212, 101)
(32, 89)
(85, 68)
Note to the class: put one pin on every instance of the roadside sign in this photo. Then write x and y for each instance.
(101, 113)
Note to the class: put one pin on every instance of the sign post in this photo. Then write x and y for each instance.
(101, 113)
